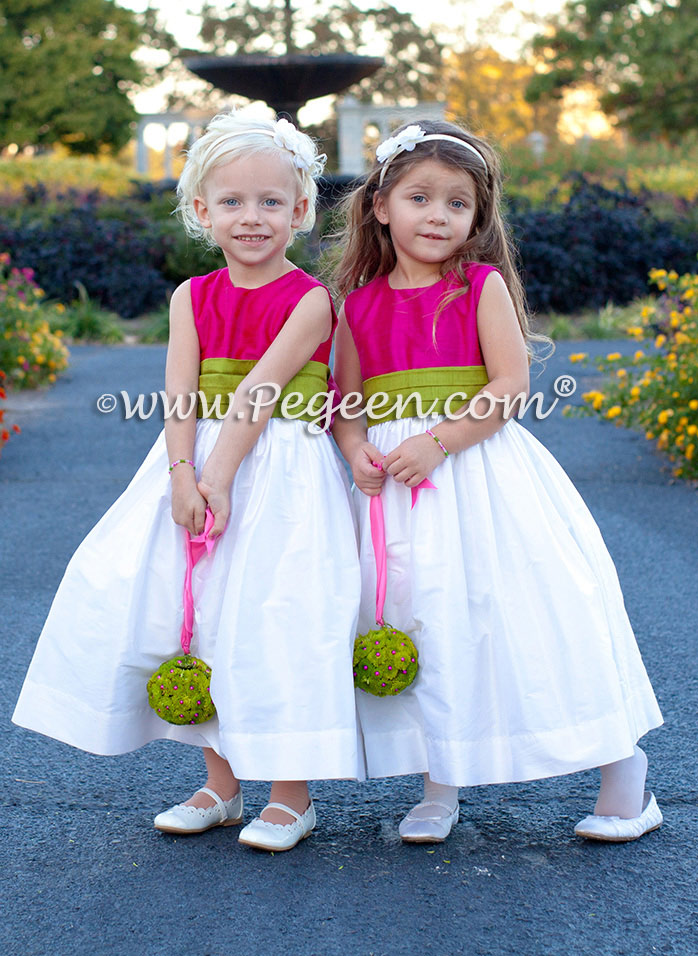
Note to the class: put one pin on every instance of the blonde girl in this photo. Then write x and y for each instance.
(278, 599)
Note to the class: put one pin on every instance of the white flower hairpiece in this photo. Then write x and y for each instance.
(288, 137)
(407, 139)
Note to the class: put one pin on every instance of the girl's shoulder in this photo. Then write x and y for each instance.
(366, 293)
(477, 272)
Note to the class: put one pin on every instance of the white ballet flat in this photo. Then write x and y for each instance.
(278, 836)
(431, 829)
(189, 820)
(619, 830)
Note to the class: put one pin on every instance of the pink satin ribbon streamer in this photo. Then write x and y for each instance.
(195, 548)
(378, 541)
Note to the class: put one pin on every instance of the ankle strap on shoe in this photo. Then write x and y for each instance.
(219, 801)
(281, 806)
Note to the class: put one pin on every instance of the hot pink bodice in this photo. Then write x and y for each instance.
(392, 328)
(242, 323)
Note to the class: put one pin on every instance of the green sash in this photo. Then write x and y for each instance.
(414, 392)
(221, 376)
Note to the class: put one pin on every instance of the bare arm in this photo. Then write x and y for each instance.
(505, 356)
(307, 327)
(350, 433)
(182, 379)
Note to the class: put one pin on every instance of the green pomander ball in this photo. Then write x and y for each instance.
(179, 691)
(385, 661)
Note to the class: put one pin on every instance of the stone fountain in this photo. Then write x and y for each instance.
(285, 82)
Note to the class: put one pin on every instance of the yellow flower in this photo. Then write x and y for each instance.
(657, 273)
(690, 449)
(646, 312)
(578, 356)
(673, 275)
(663, 416)
(675, 320)
(639, 355)
(693, 404)
(692, 429)
(635, 391)
(614, 356)
(60, 308)
(649, 435)
(659, 341)
(614, 411)
(688, 294)
(681, 338)
(621, 373)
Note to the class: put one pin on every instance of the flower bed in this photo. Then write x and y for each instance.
(31, 354)
(656, 389)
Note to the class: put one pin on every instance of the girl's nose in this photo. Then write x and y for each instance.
(250, 213)
(437, 213)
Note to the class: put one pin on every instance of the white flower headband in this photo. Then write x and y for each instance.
(408, 139)
(288, 137)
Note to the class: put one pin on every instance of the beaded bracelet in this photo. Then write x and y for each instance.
(181, 461)
(438, 441)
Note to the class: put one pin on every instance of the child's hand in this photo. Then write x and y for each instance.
(218, 500)
(413, 460)
(365, 468)
(188, 505)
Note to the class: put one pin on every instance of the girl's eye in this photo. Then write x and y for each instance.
(231, 202)
(419, 198)
(271, 202)
(458, 204)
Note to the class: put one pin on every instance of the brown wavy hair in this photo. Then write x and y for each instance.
(366, 247)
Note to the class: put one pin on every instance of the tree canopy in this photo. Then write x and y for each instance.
(641, 54)
(66, 68)
(487, 93)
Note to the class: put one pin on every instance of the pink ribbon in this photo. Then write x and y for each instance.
(194, 548)
(378, 541)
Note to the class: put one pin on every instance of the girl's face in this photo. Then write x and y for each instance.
(251, 204)
(430, 211)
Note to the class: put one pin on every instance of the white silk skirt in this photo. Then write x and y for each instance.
(276, 614)
(528, 665)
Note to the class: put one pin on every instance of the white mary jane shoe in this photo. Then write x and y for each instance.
(278, 836)
(431, 829)
(618, 829)
(189, 820)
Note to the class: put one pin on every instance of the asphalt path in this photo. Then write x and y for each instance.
(85, 874)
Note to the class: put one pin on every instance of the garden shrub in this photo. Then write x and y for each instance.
(6, 429)
(595, 248)
(129, 253)
(657, 391)
(31, 354)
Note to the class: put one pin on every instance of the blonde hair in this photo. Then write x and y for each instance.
(367, 248)
(229, 136)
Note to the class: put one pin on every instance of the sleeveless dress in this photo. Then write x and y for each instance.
(528, 666)
(276, 603)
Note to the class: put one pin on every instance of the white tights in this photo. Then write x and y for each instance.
(623, 787)
(441, 794)
(621, 793)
